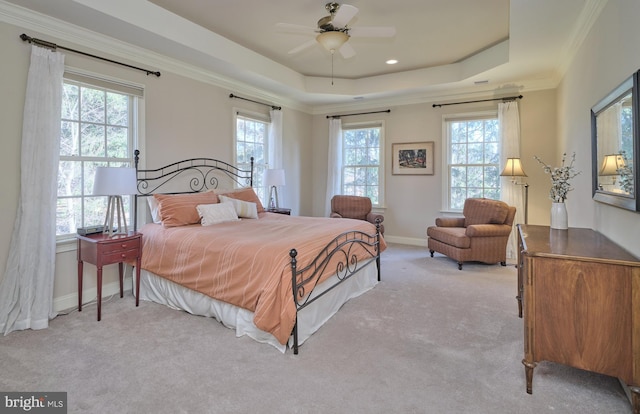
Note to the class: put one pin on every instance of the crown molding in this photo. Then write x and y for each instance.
(444, 95)
(63, 31)
(586, 20)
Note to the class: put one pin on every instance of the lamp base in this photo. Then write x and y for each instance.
(115, 207)
(273, 197)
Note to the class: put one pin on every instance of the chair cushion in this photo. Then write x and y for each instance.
(484, 211)
(453, 236)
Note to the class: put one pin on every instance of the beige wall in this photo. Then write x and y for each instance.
(413, 202)
(608, 56)
(13, 80)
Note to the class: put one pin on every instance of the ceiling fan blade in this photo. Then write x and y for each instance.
(372, 31)
(347, 51)
(344, 15)
(302, 47)
(295, 28)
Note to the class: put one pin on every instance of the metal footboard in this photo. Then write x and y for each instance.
(341, 248)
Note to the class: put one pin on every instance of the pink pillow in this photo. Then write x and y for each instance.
(244, 194)
(181, 209)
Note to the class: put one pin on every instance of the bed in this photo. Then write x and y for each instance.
(273, 277)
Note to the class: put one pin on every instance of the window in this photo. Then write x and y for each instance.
(251, 141)
(97, 130)
(472, 159)
(362, 161)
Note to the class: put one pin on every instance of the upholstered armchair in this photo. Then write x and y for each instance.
(481, 235)
(355, 207)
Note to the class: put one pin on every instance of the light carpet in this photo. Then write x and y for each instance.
(428, 339)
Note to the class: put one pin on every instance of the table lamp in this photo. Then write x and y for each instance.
(611, 165)
(115, 182)
(513, 169)
(272, 179)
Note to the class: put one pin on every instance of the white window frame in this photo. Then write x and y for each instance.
(381, 166)
(258, 167)
(446, 150)
(134, 129)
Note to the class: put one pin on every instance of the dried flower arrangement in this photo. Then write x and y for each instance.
(560, 177)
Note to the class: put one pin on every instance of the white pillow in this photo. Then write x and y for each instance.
(244, 209)
(216, 213)
(154, 207)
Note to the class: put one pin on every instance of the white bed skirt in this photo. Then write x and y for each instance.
(157, 289)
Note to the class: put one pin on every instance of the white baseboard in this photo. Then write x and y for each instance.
(406, 240)
(90, 295)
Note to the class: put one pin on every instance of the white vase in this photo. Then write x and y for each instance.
(559, 219)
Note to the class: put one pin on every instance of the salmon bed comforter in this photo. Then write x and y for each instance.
(246, 263)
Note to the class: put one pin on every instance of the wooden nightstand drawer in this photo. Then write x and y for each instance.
(120, 245)
(120, 256)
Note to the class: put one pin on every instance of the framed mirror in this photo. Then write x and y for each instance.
(615, 146)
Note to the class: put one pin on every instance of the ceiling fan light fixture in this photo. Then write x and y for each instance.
(332, 40)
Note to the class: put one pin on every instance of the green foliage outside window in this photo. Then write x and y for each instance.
(361, 163)
(251, 141)
(95, 131)
(474, 160)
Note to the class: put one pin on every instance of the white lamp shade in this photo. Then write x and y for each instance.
(611, 164)
(513, 168)
(111, 181)
(274, 177)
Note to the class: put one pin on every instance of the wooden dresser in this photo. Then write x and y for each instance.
(579, 294)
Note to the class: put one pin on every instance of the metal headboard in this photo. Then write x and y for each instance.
(201, 174)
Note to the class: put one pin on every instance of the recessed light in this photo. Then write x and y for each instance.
(391, 61)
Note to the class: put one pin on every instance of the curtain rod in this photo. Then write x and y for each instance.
(361, 113)
(53, 46)
(277, 108)
(505, 99)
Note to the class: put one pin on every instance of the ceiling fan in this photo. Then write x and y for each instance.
(334, 32)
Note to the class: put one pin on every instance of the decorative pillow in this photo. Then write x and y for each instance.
(244, 194)
(216, 213)
(154, 207)
(244, 209)
(180, 209)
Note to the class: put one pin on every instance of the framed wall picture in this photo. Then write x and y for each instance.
(412, 158)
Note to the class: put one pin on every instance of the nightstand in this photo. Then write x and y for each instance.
(279, 210)
(100, 250)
